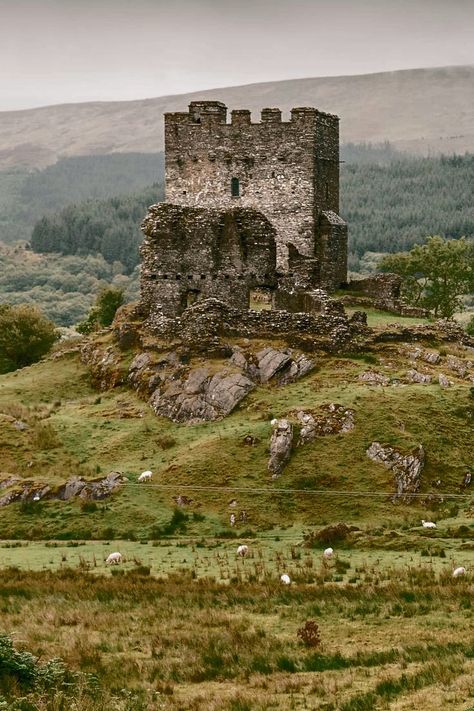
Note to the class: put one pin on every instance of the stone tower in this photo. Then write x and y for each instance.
(287, 170)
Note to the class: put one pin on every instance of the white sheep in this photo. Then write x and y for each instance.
(328, 553)
(285, 579)
(274, 422)
(427, 524)
(458, 572)
(232, 519)
(114, 559)
(145, 476)
(242, 550)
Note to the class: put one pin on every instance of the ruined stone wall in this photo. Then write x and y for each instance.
(385, 287)
(287, 170)
(190, 254)
(332, 250)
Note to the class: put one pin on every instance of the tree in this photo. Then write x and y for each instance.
(103, 311)
(25, 336)
(435, 274)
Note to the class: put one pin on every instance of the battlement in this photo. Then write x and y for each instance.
(208, 113)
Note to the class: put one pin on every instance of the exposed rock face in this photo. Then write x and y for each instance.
(280, 446)
(196, 395)
(270, 361)
(373, 377)
(105, 365)
(272, 364)
(458, 365)
(432, 357)
(31, 491)
(413, 376)
(332, 419)
(444, 381)
(201, 396)
(406, 468)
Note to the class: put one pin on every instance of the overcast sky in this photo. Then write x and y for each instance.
(56, 51)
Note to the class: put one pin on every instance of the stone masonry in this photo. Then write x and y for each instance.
(287, 170)
(191, 254)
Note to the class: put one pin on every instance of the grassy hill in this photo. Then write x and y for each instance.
(422, 111)
(189, 623)
(74, 430)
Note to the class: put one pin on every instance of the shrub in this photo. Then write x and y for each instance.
(25, 336)
(309, 634)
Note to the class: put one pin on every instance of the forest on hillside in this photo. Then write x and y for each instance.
(27, 197)
(391, 207)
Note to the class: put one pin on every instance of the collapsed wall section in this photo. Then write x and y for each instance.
(190, 254)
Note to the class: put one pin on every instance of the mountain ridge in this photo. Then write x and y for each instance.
(423, 111)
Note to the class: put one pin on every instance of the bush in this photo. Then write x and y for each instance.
(25, 336)
(309, 634)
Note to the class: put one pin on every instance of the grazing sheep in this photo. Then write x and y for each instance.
(232, 519)
(242, 550)
(285, 579)
(145, 476)
(114, 559)
(458, 572)
(428, 524)
(328, 553)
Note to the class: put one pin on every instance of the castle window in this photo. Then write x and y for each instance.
(235, 187)
(190, 298)
(326, 186)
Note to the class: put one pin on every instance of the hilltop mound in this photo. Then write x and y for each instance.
(346, 401)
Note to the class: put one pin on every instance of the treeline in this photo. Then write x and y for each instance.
(391, 207)
(110, 228)
(25, 197)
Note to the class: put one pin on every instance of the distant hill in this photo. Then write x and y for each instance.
(423, 111)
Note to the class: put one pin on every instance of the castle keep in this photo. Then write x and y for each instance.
(247, 205)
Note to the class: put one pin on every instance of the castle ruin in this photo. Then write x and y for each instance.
(247, 205)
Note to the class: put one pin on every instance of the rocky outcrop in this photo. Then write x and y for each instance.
(201, 396)
(458, 365)
(27, 490)
(280, 446)
(331, 419)
(105, 365)
(414, 376)
(406, 468)
(373, 377)
(444, 381)
(432, 357)
(280, 366)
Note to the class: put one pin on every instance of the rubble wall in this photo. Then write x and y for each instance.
(190, 254)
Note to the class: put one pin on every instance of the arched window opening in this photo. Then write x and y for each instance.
(235, 187)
